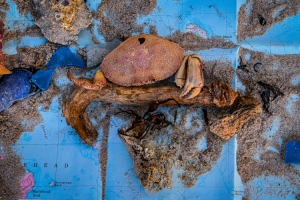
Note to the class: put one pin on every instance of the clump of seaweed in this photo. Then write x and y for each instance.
(265, 95)
(148, 122)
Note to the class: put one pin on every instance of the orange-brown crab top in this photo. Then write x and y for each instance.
(142, 59)
(145, 59)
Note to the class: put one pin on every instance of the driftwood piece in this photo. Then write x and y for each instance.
(227, 122)
(215, 94)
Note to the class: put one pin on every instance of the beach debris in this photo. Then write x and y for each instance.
(64, 57)
(262, 20)
(134, 63)
(241, 65)
(292, 152)
(266, 94)
(205, 115)
(153, 107)
(3, 69)
(145, 59)
(16, 86)
(265, 97)
(257, 67)
(148, 122)
(62, 20)
(42, 78)
(145, 125)
(227, 122)
(218, 94)
(190, 77)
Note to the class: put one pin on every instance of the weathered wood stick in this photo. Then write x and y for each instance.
(215, 94)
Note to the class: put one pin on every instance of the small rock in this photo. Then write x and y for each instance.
(61, 21)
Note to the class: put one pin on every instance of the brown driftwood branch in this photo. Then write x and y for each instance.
(215, 94)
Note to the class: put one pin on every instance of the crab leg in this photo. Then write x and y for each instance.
(98, 82)
(194, 79)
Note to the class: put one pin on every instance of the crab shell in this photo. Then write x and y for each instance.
(142, 59)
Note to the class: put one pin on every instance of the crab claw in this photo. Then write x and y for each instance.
(180, 75)
(98, 82)
(190, 76)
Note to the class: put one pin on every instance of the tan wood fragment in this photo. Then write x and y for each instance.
(229, 121)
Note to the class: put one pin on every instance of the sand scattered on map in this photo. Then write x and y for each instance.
(261, 143)
(272, 12)
(182, 146)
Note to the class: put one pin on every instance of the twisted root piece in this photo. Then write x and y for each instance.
(215, 94)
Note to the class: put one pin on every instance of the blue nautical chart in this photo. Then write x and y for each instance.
(69, 169)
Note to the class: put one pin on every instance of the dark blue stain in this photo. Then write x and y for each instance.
(64, 57)
(292, 152)
(16, 86)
